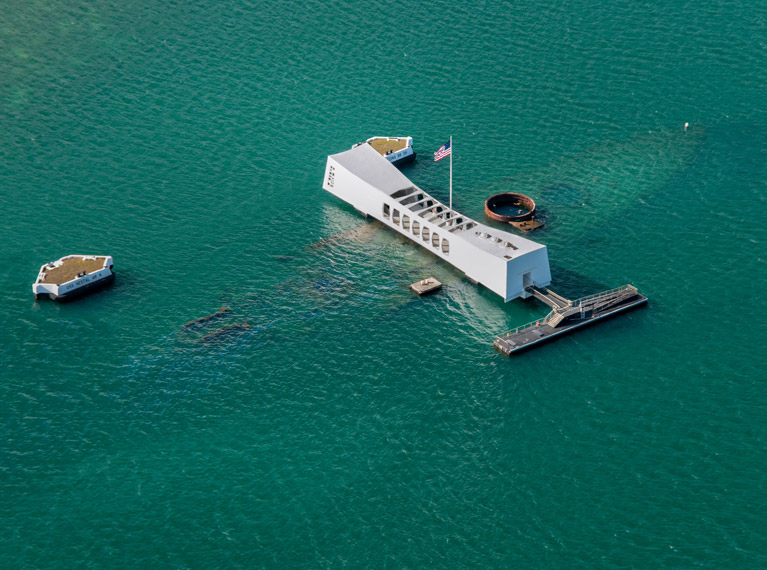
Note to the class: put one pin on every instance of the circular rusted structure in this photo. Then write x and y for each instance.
(509, 207)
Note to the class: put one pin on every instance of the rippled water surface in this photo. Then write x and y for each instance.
(331, 419)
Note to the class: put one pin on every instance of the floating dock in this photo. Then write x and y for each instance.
(566, 316)
(426, 286)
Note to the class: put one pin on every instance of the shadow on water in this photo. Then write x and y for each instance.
(572, 284)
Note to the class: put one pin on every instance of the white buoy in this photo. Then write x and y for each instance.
(685, 126)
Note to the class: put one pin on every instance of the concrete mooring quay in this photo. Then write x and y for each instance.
(567, 315)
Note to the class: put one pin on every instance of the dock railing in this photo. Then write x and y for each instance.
(528, 325)
(607, 293)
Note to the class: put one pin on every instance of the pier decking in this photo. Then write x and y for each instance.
(566, 316)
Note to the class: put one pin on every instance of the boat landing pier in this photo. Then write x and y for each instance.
(567, 315)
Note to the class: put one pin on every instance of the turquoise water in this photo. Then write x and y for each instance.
(354, 425)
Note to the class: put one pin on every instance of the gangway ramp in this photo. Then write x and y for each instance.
(552, 299)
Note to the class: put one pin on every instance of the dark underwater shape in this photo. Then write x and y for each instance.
(360, 426)
(206, 320)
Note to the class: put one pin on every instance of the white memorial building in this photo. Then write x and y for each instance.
(505, 263)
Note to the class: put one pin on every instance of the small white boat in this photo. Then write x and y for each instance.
(72, 276)
(397, 150)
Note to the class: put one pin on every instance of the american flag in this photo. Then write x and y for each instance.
(443, 151)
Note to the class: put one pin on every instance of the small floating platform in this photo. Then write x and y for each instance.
(72, 276)
(567, 316)
(426, 286)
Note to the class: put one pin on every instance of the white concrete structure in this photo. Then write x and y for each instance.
(73, 275)
(503, 262)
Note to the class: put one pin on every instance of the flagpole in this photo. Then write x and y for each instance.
(451, 172)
